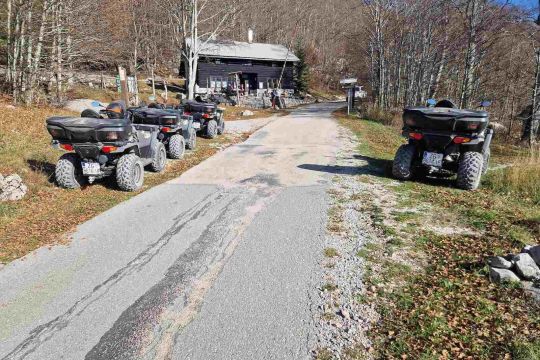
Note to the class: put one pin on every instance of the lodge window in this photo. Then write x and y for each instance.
(218, 83)
(272, 83)
(248, 63)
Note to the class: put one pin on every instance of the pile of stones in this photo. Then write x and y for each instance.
(12, 188)
(523, 267)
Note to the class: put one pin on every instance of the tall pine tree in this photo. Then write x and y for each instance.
(302, 70)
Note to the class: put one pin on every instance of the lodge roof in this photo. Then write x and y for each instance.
(243, 50)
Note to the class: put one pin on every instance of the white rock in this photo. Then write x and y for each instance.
(526, 267)
(247, 113)
(502, 275)
(534, 251)
(499, 262)
(12, 188)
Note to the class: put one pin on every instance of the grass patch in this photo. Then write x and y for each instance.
(521, 179)
(48, 212)
(331, 252)
(526, 351)
(451, 310)
(329, 287)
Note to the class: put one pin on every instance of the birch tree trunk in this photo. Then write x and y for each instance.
(469, 73)
(9, 42)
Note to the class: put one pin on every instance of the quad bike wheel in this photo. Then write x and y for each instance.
(402, 166)
(177, 146)
(212, 129)
(470, 170)
(160, 157)
(485, 165)
(68, 172)
(221, 127)
(192, 143)
(130, 172)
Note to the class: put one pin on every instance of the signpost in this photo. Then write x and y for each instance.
(123, 84)
(350, 85)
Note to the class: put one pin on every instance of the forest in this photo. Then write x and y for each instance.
(403, 51)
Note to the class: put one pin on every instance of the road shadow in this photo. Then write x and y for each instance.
(43, 168)
(376, 167)
(373, 166)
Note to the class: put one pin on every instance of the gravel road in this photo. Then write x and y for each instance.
(221, 263)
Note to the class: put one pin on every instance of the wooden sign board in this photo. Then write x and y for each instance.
(348, 83)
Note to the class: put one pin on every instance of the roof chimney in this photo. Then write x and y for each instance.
(250, 36)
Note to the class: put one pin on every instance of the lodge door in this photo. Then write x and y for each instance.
(250, 79)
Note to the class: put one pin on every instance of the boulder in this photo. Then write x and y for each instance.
(247, 113)
(526, 267)
(502, 275)
(534, 251)
(526, 249)
(499, 262)
(12, 188)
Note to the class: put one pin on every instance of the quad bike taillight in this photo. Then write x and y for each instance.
(66, 147)
(109, 149)
(166, 129)
(461, 140)
(416, 136)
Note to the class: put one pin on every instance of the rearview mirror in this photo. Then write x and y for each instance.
(431, 102)
(485, 103)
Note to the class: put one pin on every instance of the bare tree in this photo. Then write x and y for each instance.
(197, 22)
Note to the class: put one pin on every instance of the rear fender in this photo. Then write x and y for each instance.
(134, 149)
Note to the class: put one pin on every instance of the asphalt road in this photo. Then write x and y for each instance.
(220, 263)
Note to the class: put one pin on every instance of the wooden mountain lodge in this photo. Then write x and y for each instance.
(257, 68)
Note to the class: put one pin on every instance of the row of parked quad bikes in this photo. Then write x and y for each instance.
(122, 142)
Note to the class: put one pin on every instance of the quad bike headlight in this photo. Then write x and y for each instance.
(410, 121)
(169, 121)
(473, 126)
(56, 132)
(110, 136)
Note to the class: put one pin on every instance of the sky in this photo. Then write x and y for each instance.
(526, 3)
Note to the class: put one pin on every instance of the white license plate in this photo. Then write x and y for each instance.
(196, 125)
(90, 168)
(432, 159)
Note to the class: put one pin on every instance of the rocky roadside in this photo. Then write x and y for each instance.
(342, 320)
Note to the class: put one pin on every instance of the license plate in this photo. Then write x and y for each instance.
(90, 168)
(196, 125)
(432, 159)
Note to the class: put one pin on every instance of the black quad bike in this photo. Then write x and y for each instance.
(444, 141)
(176, 130)
(103, 147)
(208, 117)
